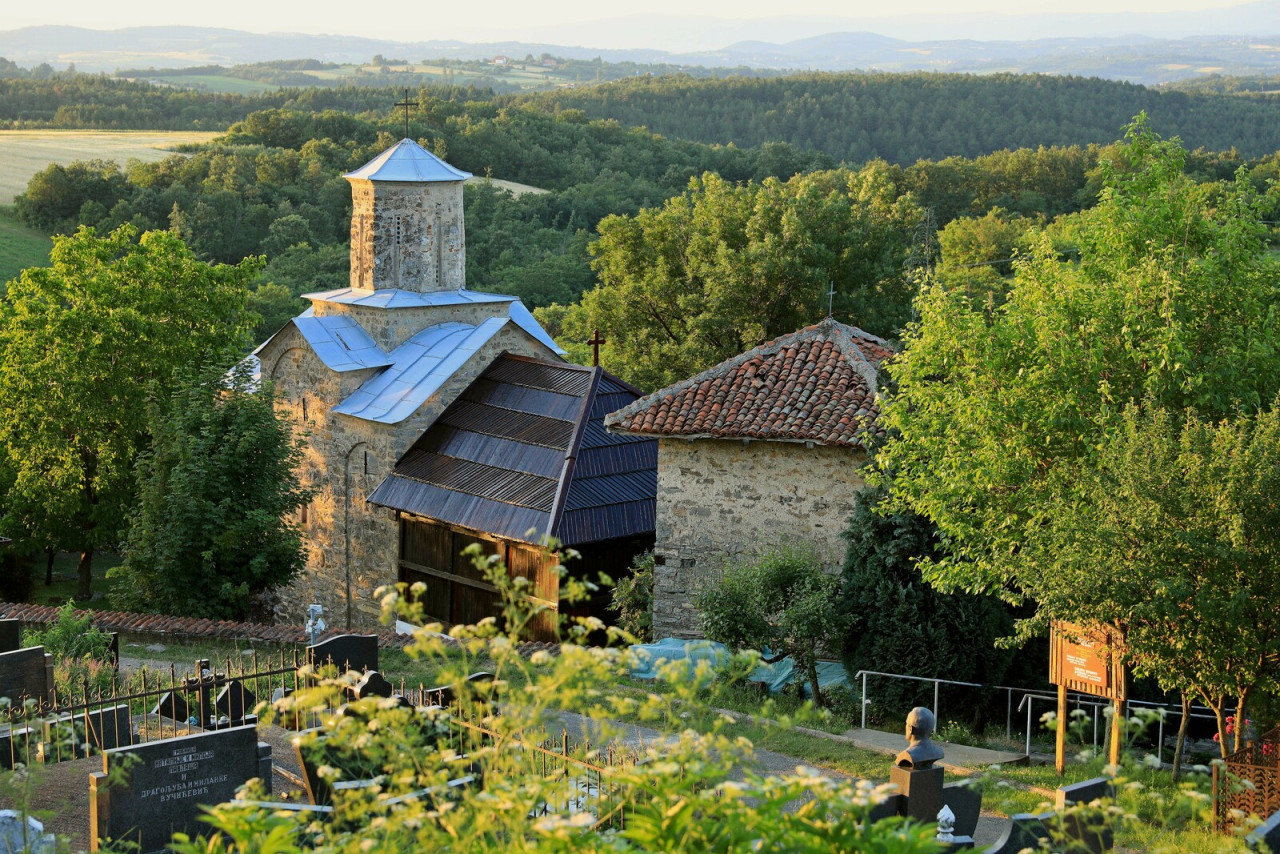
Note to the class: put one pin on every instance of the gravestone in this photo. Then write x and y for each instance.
(372, 684)
(168, 781)
(10, 635)
(236, 702)
(1084, 792)
(346, 652)
(965, 799)
(23, 834)
(1023, 831)
(1266, 836)
(27, 673)
(101, 729)
(174, 706)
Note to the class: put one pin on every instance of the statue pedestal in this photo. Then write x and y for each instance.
(921, 789)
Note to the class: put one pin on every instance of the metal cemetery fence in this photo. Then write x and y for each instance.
(147, 706)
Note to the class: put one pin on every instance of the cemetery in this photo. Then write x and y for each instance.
(198, 737)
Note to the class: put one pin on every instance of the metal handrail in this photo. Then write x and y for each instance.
(1030, 694)
(936, 682)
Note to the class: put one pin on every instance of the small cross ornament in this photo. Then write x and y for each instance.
(595, 343)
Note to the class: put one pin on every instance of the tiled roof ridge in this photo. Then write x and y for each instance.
(842, 338)
(198, 627)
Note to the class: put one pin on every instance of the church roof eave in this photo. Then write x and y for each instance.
(407, 162)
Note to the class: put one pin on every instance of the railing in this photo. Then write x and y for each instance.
(1030, 696)
(75, 724)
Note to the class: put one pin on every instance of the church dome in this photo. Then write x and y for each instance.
(410, 162)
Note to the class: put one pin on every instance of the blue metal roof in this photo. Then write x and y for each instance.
(340, 342)
(396, 298)
(420, 367)
(407, 161)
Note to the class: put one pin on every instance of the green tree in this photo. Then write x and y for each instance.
(888, 613)
(218, 486)
(784, 602)
(725, 267)
(1004, 417)
(81, 342)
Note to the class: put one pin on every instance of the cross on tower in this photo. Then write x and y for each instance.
(406, 103)
(831, 300)
(595, 343)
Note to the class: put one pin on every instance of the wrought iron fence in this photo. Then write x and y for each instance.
(145, 706)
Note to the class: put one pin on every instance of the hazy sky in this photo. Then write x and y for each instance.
(509, 19)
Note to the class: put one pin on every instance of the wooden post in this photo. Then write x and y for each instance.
(1117, 721)
(1060, 739)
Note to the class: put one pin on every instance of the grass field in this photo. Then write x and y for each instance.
(220, 84)
(20, 247)
(25, 152)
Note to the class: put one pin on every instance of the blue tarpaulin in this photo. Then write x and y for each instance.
(776, 676)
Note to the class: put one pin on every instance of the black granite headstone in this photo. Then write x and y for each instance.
(27, 673)
(10, 635)
(965, 800)
(168, 781)
(100, 729)
(346, 652)
(235, 702)
(372, 684)
(1266, 836)
(173, 705)
(1023, 831)
(1084, 792)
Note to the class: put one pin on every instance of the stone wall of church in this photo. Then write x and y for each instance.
(407, 235)
(351, 545)
(721, 500)
(392, 327)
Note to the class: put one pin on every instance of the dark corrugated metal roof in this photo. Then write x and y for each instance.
(524, 447)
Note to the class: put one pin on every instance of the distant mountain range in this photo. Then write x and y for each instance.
(1139, 59)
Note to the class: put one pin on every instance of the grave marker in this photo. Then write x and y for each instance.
(236, 702)
(10, 635)
(346, 652)
(102, 729)
(27, 673)
(168, 782)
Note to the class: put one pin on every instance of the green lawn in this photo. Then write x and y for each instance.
(220, 84)
(20, 247)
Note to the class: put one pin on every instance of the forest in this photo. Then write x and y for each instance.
(905, 117)
(272, 186)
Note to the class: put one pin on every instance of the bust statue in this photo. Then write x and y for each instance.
(921, 751)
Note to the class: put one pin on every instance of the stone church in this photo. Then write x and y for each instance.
(369, 368)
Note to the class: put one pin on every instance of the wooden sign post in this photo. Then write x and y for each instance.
(1087, 661)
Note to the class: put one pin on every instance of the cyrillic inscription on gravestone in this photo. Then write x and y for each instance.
(169, 781)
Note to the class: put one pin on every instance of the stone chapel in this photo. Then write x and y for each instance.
(369, 368)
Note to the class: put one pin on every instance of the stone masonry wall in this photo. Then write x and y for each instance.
(721, 500)
(351, 545)
(407, 235)
(392, 327)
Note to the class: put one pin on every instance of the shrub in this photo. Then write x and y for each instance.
(784, 603)
(82, 660)
(633, 599)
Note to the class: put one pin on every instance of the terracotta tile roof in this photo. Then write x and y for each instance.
(816, 385)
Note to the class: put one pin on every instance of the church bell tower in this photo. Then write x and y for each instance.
(407, 227)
